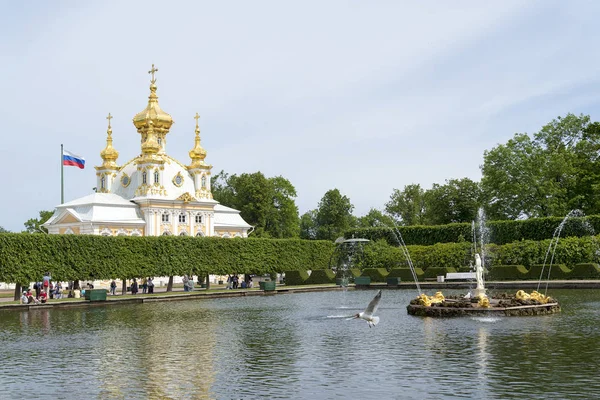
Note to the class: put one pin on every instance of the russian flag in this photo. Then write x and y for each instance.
(74, 160)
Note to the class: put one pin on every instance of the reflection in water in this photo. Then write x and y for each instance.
(284, 346)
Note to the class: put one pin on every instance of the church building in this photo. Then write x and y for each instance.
(153, 194)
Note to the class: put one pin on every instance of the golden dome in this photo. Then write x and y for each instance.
(161, 120)
(109, 154)
(197, 154)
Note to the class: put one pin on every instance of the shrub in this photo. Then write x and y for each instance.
(405, 275)
(376, 274)
(507, 273)
(585, 271)
(558, 271)
(295, 277)
(319, 276)
(434, 272)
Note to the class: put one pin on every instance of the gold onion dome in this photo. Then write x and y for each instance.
(109, 154)
(197, 154)
(161, 120)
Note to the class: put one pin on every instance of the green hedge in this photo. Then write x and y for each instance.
(434, 272)
(585, 271)
(507, 273)
(25, 257)
(295, 277)
(557, 271)
(405, 275)
(500, 232)
(319, 276)
(376, 274)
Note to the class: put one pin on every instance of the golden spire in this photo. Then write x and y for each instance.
(197, 154)
(161, 121)
(150, 145)
(109, 154)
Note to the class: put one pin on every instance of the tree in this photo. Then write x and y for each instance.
(375, 218)
(539, 177)
(266, 203)
(2, 230)
(334, 215)
(34, 225)
(456, 201)
(408, 205)
(308, 225)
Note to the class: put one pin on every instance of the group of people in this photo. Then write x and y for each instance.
(233, 282)
(147, 285)
(44, 290)
(188, 283)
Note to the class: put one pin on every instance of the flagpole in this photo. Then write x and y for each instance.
(62, 181)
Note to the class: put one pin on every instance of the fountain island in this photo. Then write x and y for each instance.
(479, 303)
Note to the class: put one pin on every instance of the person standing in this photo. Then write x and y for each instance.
(144, 285)
(150, 286)
(113, 288)
(134, 287)
(46, 282)
(185, 281)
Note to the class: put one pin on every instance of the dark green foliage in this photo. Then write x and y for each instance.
(355, 272)
(585, 271)
(501, 232)
(405, 274)
(319, 276)
(507, 273)
(25, 257)
(558, 271)
(295, 277)
(434, 272)
(376, 274)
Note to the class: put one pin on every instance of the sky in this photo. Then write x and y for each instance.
(365, 97)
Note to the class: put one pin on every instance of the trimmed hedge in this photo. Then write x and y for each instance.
(434, 272)
(507, 273)
(500, 232)
(585, 271)
(405, 275)
(25, 257)
(319, 276)
(376, 274)
(296, 277)
(558, 271)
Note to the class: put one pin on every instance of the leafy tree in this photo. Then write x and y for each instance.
(266, 203)
(456, 201)
(2, 230)
(34, 225)
(308, 225)
(375, 218)
(585, 193)
(334, 215)
(543, 176)
(408, 205)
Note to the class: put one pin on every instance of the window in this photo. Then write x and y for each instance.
(160, 142)
(199, 234)
(165, 217)
(183, 233)
(103, 182)
(156, 177)
(198, 219)
(144, 178)
(203, 182)
(166, 233)
(182, 218)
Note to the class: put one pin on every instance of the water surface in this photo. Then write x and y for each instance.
(299, 346)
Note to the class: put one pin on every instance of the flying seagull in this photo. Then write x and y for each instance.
(367, 315)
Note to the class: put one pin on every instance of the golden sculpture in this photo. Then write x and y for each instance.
(186, 197)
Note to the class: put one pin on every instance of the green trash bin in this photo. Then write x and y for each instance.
(269, 286)
(95, 294)
(362, 280)
(395, 281)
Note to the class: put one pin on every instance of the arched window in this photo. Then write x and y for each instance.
(144, 178)
(182, 218)
(183, 233)
(103, 182)
(203, 181)
(156, 177)
(166, 233)
(200, 234)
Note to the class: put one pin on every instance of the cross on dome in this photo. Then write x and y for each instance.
(152, 71)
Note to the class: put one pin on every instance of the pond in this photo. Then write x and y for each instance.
(299, 346)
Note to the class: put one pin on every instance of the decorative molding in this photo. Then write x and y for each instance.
(186, 197)
(125, 180)
(178, 179)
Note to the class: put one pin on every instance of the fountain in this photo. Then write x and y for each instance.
(347, 255)
(477, 302)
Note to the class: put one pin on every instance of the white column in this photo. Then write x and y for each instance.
(175, 218)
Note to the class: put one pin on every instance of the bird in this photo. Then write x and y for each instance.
(367, 315)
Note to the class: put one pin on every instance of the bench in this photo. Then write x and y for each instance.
(460, 275)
